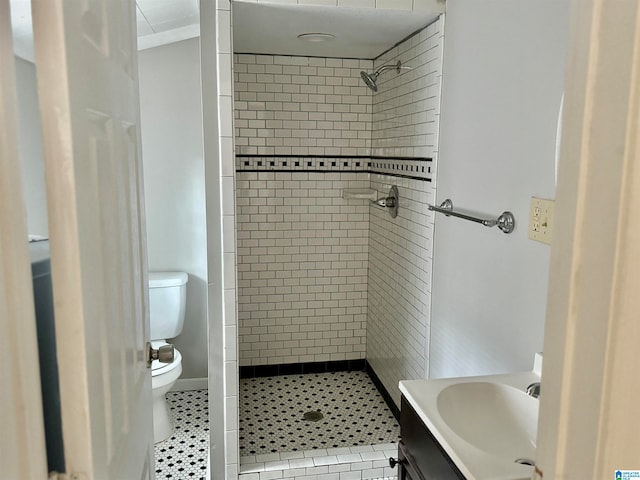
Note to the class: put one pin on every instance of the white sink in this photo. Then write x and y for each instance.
(483, 423)
(497, 418)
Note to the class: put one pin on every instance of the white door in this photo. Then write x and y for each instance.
(86, 65)
(22, 441)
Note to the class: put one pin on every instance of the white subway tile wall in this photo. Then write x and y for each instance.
(222, 180)
(301, 106)
(321, 277)
(406, 108)
(399, 288)
(406, 118)
(302, 267)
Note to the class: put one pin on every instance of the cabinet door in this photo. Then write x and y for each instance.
(423, 452)
(406, 466)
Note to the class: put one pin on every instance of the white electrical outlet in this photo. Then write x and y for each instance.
(541, 220)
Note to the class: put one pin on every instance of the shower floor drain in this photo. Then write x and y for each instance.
(313, 416)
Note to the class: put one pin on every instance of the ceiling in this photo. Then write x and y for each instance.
(166, 21)
(359, 32)
(158, 21)
(262, 27)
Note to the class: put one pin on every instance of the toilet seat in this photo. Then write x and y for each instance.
(158, 368)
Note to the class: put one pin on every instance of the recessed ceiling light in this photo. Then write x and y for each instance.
(316, 37)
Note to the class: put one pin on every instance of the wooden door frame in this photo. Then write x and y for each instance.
(589, 415)
(22, 444)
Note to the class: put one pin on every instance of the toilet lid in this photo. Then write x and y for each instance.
(158, 368)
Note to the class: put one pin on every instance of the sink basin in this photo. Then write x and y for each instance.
(485, 424)
(496, 418)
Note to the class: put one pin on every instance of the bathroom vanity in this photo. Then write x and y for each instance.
(47, 356)
(420, 456)
(470, 428)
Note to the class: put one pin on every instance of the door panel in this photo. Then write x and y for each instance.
(87, 81)
(22, 444)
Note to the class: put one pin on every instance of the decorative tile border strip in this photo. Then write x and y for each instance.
(415, 168)
(301, 163)
(419, 168)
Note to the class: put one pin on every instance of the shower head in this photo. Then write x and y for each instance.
(370, 78)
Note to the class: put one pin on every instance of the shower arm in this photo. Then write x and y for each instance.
(397, 66)
(370, 78)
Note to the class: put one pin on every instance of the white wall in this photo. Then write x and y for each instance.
(406, 112)
(30, 145)
(503, 74)
(290, 105)
(302, 267)
(302, 248)
(217, 78)
(171, 119)
(406, 107)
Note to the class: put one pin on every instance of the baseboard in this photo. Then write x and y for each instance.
(383, 391)
(184, 384)
(254, 371)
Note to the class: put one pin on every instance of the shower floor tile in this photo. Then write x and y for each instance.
(272, 413)
(184, 454)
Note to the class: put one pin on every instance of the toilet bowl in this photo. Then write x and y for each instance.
(167, 298)
(163, 378)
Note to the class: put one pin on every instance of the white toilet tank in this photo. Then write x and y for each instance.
(167, 295)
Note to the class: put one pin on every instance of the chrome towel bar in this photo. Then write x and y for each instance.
(505, 222)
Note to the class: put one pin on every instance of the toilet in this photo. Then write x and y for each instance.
(167, 294)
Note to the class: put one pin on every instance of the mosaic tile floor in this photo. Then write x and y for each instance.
(184, 454)
(272, 413)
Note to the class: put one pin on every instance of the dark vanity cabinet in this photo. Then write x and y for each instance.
(420, 456)
(45, 327)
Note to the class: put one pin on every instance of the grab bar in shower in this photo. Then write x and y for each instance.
(505, 222)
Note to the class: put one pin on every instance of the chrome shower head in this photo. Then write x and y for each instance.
(370, 78)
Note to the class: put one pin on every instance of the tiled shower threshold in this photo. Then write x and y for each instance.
(363, 462)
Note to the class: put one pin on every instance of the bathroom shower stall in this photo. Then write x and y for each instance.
(328, 280)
